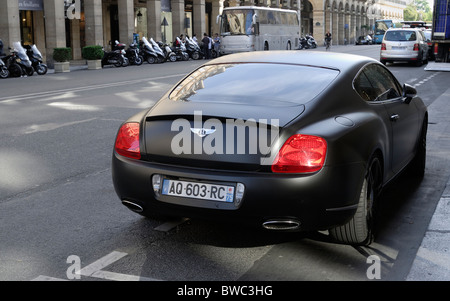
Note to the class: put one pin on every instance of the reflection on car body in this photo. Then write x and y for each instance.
(290, 141)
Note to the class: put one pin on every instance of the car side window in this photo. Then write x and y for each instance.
(375, 83)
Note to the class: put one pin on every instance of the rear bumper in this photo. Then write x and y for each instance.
(393, 56)
(318, 201)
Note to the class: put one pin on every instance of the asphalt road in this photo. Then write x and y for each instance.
(59, 212)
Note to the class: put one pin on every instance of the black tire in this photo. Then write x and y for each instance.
(4, 72)
(119, 62)
(139, 60)
(15, 70)
(195, 55)
(41, 69)
(417, 165)
(172, 58)
(359, 230)
(151, 60)
(29, 71)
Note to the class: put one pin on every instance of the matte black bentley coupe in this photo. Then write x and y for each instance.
(283, 140)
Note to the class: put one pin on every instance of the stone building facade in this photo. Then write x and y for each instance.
(77, 23)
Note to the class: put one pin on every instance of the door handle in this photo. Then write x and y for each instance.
(394, 117)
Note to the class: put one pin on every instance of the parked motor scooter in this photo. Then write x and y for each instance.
(161, 57)
(116, 57)
(148, 52)
(168, 53)
(303, 44)
(311, 41)
(18, 62)
(36, 59)
(180, 51)
(133, 56)
(4, 72)
(193, 49)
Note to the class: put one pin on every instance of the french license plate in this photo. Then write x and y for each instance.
(398, 47)
(196, 190)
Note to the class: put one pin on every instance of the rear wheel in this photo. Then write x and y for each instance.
(151, 60)
(359, 230)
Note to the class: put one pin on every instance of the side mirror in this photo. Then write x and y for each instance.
(409, 92)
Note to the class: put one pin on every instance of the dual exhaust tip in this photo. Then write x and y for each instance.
(278, 224)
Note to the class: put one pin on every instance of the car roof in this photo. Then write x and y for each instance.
(333, 60)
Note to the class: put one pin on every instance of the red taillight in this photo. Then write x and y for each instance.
(300, 154)
(436, 49)
(127, 141)
(383, 46)
(416, 47)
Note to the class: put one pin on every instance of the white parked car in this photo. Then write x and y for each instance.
(404, 44)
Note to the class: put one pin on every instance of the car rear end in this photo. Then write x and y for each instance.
(169, 160)
(400, 45)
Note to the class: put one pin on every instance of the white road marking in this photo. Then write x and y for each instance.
(101, 263)
(95, 270)
(47, 278)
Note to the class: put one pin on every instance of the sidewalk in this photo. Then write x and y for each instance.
(74, 65)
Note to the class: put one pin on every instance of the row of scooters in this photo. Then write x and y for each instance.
(152, 52)
(25, 60)
(22, 60)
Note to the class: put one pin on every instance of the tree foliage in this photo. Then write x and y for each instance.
(418, 10)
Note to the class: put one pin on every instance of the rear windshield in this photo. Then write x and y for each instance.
(254, 83)
(403, 35)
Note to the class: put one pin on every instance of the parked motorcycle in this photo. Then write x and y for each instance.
(168, 53)
(180, 51)
(193, 49)
(161, 56)
(4, 72)
(18, 62)
(36, 59)
(311, 41)
(133, 56)
(307, 42)
(115, 57)
(148, 52)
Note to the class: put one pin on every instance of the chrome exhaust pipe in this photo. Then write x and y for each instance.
(284, 224)
(133, 206)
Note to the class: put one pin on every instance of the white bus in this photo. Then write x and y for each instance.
(251, 28)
